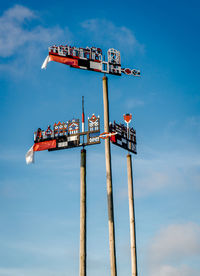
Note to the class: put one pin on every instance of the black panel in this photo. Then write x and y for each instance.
(84, 63)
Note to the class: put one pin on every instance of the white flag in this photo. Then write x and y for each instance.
(30, 156)
(46, 61)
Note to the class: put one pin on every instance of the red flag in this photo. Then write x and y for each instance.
(65, 60)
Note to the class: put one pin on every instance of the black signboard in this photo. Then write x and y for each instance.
(123, 137)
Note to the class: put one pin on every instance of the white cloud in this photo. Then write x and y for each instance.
(24, 41)
(105, 32)
(16, 31)
(172, 247)
(18, 14)
(176, 242)
(167, 270)
(158, 171)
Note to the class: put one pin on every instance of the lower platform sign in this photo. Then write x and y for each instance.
(67, 135)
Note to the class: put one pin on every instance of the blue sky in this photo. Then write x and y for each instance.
(39, 204)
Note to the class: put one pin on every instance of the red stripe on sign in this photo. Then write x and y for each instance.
(44, 145)
(65, 60)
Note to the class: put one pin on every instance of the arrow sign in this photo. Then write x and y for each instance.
(105, 135)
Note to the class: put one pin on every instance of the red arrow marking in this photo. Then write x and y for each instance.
(105, 135)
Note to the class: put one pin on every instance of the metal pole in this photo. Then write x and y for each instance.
(132, 217)
(83, 214)
(109, 181)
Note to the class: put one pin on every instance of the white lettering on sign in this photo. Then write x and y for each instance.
(124, 141)
(95, 65)
(94, 139)
(62, 144)
(119, 142)
(72, 138)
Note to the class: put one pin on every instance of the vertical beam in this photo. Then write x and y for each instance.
(83, 118)
(132, 217)
(82, 268)
(109, 182)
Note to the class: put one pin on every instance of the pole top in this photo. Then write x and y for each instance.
(128, 155)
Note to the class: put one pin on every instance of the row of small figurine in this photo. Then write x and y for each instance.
(90, 53)
(40, 135)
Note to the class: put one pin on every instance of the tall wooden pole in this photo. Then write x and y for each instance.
(132, 217)
(83, 214)
(109, 181)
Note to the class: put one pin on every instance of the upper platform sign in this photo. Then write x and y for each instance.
(89, 58)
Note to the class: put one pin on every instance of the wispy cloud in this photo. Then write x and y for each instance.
(22, 38)
(176, 242)
(163, 170)
(171, 247)
(132, 103)
(168, 270)
(11, 155)
(106, 33)
(16, 31)
(12, 32)
(193, 123)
